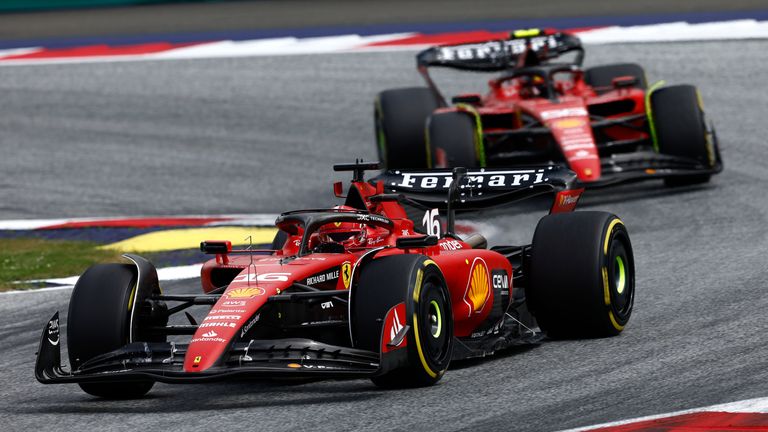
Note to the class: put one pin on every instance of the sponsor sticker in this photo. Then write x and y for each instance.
(565, 201)
(226, 311)
(208, 339)
(500, 280)
(218, 324)
(233, 303)
(569, 123)
(53, 331)
(478, 287)
(246, 328)
(222, 317)
(327, 276)
(394, 322)
(245, 292)
(450, 245)
(346, 274)
(474, 179)
(564, 112)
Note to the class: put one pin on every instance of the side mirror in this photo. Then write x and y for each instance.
(624, 82)
(469, 98)
(415, 242)
(216, 246)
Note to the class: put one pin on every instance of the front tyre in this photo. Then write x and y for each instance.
(418, 282)
(681, 130)
(582, 280)
(99, 321)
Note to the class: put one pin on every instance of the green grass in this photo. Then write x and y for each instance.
(24, 259)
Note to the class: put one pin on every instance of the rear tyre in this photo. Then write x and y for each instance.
(602, 76)
(419, 283)
(399, 117)
(681, 129)
(582, 281)
(453, 140)
(99, 321)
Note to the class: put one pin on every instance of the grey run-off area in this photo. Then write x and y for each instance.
(260, 135)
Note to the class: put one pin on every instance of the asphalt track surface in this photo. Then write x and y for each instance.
(260, 134)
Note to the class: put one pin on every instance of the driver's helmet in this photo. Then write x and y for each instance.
(533, 86)
(349, 234)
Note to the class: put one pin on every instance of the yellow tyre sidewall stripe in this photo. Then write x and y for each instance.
(606, 286)
(416, 293)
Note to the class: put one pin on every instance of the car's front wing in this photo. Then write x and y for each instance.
(163, 361)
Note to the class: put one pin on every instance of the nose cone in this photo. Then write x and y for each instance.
(236, 308)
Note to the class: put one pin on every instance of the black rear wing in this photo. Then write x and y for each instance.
(481, 188)
(521, 48)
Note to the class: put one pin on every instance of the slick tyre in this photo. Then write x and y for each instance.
(99, 321)
(678, 119)
(417, 282)
(453, 140)
(601, 77)
(582, 280)
(399, 117)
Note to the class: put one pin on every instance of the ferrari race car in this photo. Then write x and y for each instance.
(604, 122)
(381, 287)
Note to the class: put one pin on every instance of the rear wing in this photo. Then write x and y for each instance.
(482, 188)
(521, 49)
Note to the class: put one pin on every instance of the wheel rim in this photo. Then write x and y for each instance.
(435, 319)
(623, 285)
(432, 325)
(620, 274)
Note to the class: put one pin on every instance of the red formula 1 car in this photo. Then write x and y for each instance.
(602, 122)
(376, 288)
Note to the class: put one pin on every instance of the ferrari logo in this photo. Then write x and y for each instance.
(198, 359)
(337, 224)
(346, 274)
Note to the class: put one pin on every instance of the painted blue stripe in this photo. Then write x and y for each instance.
(427, 28)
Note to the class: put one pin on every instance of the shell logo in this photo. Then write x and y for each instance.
(245, 292)
(569, 123)
(478, 287)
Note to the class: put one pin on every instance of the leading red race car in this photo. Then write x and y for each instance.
(378, 288)
(603, 122)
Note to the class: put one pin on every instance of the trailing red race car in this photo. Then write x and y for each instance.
(603, 122)
(359, 290)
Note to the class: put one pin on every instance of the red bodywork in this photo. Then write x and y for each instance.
(471, 276)
(512, 105)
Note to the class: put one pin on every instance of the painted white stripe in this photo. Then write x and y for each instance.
(667, 32)
(678, 31)
(18, 51)
(37, 290)
(256, 219)
(759, 405)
